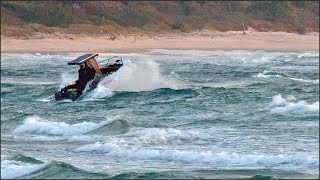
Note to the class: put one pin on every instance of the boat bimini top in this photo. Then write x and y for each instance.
(112, 63)
(90, 59)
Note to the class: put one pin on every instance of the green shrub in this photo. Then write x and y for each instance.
(276, 11)
(29, 16)
(177, 24)
(132, 15)
(195, 23)
(8, 5)
(52, 13)
(186, 9)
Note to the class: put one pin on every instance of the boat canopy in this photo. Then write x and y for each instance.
(89, 58)
(82, 58)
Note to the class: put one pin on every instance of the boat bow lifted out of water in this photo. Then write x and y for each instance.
(102, 69)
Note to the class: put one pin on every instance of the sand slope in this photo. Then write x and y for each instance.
(267, 41)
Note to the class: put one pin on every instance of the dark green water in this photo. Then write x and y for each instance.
(174, 114)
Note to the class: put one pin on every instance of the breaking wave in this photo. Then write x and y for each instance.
(138, 76)
(34, 124)
(188, 156)
(12, 168)
(289, 105)
(266, 74)
(25, 167)
(315, 81)
(308, 54)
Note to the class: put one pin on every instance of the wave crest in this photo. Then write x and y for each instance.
(189, 156)
(290, 106)
(34, 124)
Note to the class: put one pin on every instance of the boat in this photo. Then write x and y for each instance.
(102, 69)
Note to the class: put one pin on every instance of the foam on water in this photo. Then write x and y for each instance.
(220, 120)
(196, 156)
(137, 76)
(315, 81)
(279, 100)
(305, 68)
(67, 79)
(98, 93)
(227, 84)
(229, 58)
(289, 106)
(106, 55)
(34, 59)
(308, 54)
(158, 135)
(197, 53)
(26, 82)
(6, 157)
(47, 99)
(11, 169)
(265, 74)
(50, 138)
(35, 124)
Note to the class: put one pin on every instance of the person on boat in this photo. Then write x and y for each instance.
(90, 72)
(85, 74)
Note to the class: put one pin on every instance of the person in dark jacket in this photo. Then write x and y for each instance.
(85, 75)
(90, 72)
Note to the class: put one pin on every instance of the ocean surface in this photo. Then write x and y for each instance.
(166, 114)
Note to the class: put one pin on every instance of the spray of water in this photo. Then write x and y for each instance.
(138, 76)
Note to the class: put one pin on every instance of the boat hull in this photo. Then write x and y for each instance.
(91, 85)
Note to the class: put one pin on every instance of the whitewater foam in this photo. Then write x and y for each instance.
(289, 106)
(66, 79)
(308, 54)
(11, 169)
(265, 74)
(315, 81)
(47, 99)
(35, 124)
(98, 93)
(164, 136)
(190, 156)
(196, 53)
(138, 76)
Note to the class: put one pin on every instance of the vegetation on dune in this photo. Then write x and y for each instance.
(156, 16)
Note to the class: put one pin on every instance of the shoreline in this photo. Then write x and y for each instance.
(232, 40)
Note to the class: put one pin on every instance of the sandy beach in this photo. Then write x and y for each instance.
(205, 40)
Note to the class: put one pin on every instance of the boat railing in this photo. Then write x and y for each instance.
(112, 60)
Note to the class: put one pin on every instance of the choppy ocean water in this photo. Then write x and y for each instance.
(174, 114)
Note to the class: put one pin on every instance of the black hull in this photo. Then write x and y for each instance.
(110, 69)
(72, 93)
(69, 94)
